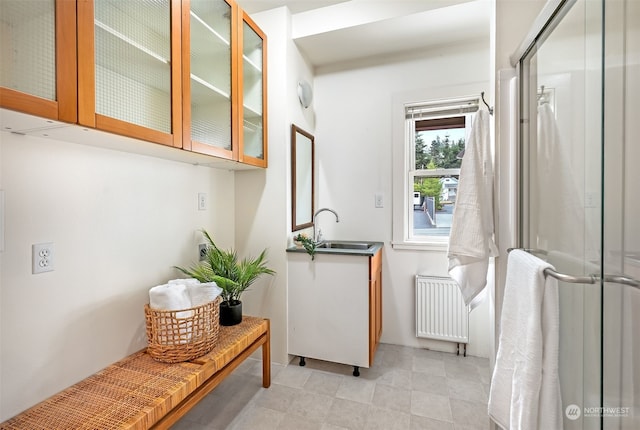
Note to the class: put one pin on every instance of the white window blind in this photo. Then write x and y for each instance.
(441, 108)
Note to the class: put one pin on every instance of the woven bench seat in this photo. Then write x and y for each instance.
(141, 393)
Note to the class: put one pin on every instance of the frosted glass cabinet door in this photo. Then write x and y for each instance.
(38, 67)
(128, 77)
(253, 129)
(207, 72)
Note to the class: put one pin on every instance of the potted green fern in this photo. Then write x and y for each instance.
(232, 275)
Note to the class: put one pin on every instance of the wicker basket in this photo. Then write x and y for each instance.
(176, 336)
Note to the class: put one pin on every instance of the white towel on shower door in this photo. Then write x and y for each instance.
(558, 188)
(471, 238)
(525, 387)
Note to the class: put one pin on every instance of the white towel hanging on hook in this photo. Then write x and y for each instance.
(471, 239)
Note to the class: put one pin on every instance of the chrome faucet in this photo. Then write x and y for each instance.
(315, 238)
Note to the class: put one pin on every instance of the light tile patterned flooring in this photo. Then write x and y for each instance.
(405, 389)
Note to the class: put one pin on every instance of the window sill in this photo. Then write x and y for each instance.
(421, 246)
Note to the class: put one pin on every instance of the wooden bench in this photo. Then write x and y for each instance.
(141, 393)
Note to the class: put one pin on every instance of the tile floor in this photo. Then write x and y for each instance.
(405, 389)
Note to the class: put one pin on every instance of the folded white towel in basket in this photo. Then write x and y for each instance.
(186, 281)
(173, 297)
(170, 297)
(201, 294)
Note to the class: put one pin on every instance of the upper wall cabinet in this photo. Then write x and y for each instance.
(224, 77)
(189, 74)
(252, 129)
(38, 51)
(209, 52)
(129, 68)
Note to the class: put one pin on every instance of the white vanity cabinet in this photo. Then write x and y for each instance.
(334, 307)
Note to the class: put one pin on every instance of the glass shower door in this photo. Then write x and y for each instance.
(621, 215)
(580, 90)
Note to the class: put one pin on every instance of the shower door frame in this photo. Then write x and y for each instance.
(523, 59)
(607, 26)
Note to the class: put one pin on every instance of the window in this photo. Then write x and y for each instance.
(434, 142)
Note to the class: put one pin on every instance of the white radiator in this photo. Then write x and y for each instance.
(440, 310)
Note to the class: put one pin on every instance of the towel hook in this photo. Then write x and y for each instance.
(486, 104)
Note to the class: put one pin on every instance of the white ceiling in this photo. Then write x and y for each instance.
(336, 31)
(295, 6)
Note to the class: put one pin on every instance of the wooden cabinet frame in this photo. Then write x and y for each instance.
(260, 162)
(87, 115)
(194, 145)
(375, 303)
(64, 108)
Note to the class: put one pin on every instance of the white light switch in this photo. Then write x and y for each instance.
(379, 200)
(202, 201)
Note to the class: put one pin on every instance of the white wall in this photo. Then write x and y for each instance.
(354, 139)
(119, 222)
(511, 21)
(263, 198)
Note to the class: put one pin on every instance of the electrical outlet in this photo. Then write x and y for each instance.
(42, 257)
(202, 201)
(202, 251)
